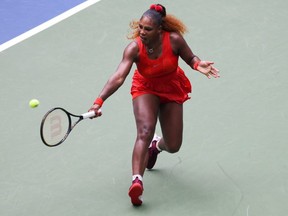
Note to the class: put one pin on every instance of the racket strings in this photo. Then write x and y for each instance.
(55, 127)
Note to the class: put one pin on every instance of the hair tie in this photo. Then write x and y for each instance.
(159, 8)
(152, 7)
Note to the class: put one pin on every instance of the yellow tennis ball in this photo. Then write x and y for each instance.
(34, 103)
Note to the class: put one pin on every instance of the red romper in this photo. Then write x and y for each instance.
(162, 76)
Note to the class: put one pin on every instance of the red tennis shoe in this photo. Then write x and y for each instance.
(136, 191)
(153, 152)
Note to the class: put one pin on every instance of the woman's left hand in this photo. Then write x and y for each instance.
(207, 68)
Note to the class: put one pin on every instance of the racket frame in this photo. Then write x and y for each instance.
(70, 125)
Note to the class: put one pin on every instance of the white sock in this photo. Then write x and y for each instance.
(157, 146)
(137, 176)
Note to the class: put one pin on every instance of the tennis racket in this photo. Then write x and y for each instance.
(57, 124)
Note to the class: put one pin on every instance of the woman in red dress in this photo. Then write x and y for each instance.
(159, 88)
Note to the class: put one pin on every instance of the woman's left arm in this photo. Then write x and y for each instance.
(181, 48)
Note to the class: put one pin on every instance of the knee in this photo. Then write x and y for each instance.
(173, 147)
(146, 132)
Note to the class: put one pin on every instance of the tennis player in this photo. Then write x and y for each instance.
(159, 87)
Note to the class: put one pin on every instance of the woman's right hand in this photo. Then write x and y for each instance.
(96, 109)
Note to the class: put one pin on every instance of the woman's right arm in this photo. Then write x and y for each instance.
(117, 79)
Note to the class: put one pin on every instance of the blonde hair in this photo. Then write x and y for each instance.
(169, 23)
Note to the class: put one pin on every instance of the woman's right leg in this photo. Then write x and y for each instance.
(146, 108)
(146, 112)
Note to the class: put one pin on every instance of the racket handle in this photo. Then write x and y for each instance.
(89, 114)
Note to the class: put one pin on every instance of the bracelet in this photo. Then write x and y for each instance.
(196, 64)
(99, 101)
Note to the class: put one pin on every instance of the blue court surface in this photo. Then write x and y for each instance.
(19, 16)
(233, 160)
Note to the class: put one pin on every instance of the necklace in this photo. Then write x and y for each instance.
(150, 50)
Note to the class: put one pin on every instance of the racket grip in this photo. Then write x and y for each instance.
(89, 114)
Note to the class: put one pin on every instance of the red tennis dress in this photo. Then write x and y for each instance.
(162, 76)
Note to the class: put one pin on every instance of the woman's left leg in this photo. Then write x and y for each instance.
(171, 121)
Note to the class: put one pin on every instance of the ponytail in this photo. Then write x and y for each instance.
(168, 22)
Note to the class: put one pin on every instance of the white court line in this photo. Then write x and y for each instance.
(47, 24)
